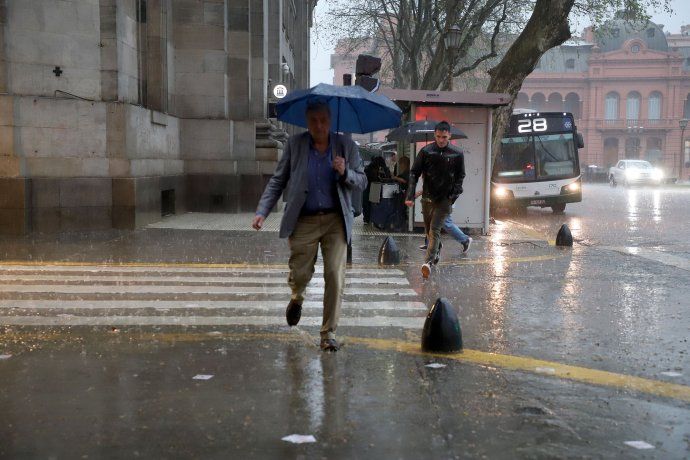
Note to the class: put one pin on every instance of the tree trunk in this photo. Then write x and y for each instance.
(547, 28)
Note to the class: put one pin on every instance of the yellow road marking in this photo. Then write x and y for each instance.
(537, 366)
(506, 260)
(516, 363)
(57, 263)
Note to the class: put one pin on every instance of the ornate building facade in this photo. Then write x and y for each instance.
(115, 112)
(628, 86)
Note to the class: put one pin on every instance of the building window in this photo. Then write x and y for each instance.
(654, 153)
(635, 48)
(687, 153)
(650, 33)
(611, 107)
(538, 101)
(633, 106)
(632, 148)
(570, 64)
(654, 108)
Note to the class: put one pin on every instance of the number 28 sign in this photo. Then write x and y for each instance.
(529, 125)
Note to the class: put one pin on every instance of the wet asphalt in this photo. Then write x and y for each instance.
(128, 391)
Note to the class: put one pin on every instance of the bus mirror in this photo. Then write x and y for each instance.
(580, 141)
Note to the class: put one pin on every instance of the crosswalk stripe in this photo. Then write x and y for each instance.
(120, 295)
(313, 321)
(186, 280)
(190, 290)
(152, 269)
(270, 305)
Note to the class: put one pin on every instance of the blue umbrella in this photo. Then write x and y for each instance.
(353, 109)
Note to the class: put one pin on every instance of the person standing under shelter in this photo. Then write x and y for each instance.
(443, 168)
(318, 170)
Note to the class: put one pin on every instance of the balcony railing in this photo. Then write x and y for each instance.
(637, 124)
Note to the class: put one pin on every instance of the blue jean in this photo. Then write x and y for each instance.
(453, 230)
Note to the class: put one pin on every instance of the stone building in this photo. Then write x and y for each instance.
(628, 86)
(115, 112)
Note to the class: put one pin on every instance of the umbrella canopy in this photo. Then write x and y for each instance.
(421, 131)
(353, 109)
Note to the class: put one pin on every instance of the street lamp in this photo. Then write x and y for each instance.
(452, 42)
(683, 123)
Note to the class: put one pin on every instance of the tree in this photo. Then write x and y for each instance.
(549, 27)
(413, 33)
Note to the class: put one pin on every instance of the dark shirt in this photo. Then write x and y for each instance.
(322, 193)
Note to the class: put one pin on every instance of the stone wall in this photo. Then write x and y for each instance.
(158, 106)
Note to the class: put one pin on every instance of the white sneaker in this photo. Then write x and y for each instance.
(466, 245)
(426, 270)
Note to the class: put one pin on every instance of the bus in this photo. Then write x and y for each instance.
(538, 164)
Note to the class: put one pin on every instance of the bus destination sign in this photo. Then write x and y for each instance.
(540, 123)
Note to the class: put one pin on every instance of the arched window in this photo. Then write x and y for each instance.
(611, 108)
(654, 108)
(572, 104)
(522, 101)
(632, 106)
(538, 101)
(555, 103)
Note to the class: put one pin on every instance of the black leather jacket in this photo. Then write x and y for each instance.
(443, 170)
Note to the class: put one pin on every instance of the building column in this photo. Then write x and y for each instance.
(259, 58)
(239, 68)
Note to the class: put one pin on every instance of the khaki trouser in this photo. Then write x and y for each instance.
(329, 231)
(434, 212)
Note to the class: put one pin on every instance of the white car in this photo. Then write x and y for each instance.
(635, 172)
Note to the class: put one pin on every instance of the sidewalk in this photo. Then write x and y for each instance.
(200, 238)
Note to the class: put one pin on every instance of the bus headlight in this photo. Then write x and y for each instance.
(501, 192)
(574, 187)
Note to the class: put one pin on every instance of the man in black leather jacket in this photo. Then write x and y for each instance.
(443, 167)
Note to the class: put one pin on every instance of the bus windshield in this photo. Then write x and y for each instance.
(534, 158)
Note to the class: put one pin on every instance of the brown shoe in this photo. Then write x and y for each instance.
(329, 345)
(426, 270)
(293, 313)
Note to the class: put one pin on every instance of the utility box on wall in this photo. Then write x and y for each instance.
(472, 113)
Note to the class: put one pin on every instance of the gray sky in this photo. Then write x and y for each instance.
(321, 52)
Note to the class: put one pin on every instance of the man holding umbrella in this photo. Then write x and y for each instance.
(322, 169)
(443, 168)
(318, 171)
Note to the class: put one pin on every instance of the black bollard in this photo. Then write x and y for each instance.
(389, 254)
(564, 237)
(442, 328)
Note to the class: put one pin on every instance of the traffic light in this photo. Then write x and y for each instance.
(366, 67)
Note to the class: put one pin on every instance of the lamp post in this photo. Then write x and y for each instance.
(683, 123)
(452, 42)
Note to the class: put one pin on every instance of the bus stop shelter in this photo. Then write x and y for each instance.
(473, 114)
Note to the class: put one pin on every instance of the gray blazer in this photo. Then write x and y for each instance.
(291, 176)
